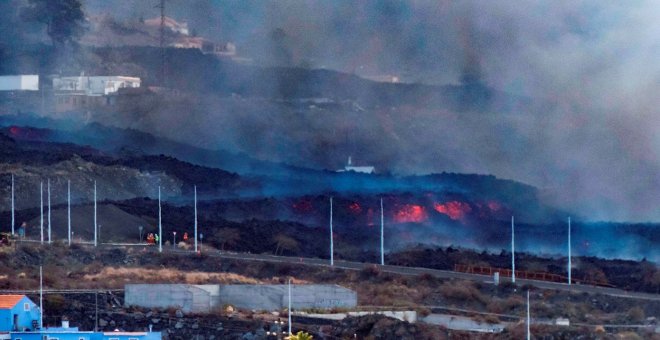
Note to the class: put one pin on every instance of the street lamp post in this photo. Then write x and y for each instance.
(140, 229)
(174, 239)
(201, 237)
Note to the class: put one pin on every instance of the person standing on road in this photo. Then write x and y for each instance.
(156, 238)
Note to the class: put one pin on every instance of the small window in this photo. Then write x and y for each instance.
(26, 307)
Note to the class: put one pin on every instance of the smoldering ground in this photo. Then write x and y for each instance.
(589, 138)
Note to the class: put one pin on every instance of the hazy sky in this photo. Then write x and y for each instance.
(597, 59)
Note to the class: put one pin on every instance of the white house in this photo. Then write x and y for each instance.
(94, 85)
(28, 82)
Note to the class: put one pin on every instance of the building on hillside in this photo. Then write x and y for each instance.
(222, 50)
(170, 24)
(94, 85)
(365, 169)
(72, 333)
(18, 313)
(83, 92)
(189, 42)
(28, 82)
(20, 319)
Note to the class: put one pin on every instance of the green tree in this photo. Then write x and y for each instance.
(63, 18)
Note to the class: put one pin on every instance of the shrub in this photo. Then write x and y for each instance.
(461, 291)
(636, 314)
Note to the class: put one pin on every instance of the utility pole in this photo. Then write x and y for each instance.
(49, 225)
(41, 297)
(95, 220)
(160, 225)
(41, 220)
(513, 252)
(528, 317)
(569, 251)
(195, 218)
(96, 313)
(13, 220)
(68, 210)
(289, 310)
(332, 252)
(382, 234)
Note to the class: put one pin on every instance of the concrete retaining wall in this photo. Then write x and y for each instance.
(275, 297)
(205, 298)
(188, 298)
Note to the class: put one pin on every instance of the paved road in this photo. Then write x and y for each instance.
(413, 271)
(436, 273)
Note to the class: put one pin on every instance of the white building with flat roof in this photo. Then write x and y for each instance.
(29, 82)
(365, 169)
(94, 85)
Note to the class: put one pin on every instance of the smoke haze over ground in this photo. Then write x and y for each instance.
(591, 139)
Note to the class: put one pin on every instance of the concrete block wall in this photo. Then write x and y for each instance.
(206, 298)
(188, 298)
(275, 297)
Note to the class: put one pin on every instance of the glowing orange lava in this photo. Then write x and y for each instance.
(303, 206)
(494, 206)
(411, 213)
(355, 208)
(454, 209)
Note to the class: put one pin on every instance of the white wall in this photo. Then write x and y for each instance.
(19, 83)
(95, 86)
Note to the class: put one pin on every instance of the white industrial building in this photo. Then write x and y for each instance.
(94, 85)
(28, 82)
(366, 169)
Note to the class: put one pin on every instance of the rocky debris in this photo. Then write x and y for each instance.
(376, 327)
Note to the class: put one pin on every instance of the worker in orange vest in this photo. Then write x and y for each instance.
(185, 237)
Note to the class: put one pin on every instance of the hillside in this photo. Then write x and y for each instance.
(439, 210)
